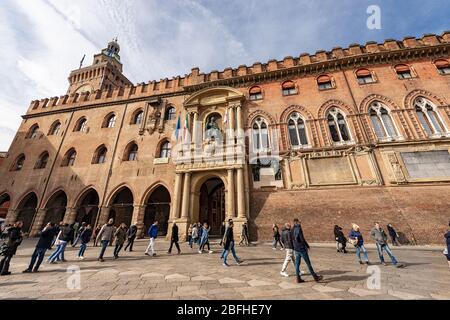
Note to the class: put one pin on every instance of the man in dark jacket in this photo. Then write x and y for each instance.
(393, 234)
(174, 238)
(228, 245)
(286, 240)
(301, 248)
(14, 241)
(44, 243)
(380, 238)
(131, 236)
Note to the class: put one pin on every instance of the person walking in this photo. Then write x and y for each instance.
(244, 235)
(189, 235)
(44, 243)
(200, 231)
(174, 238)
(120, 235)
(301, 248)
(341, 240)
(85, 237)
(228, 245)
(78, 233)
(153, 234)
(276, 237)
(286, 239)
(131, 236)
(222, 232)
(14, 241)
(205, 239)
(105, 235)
(380, 238)
(447, 249)
(62, 239)
(356, 239)
(393, 234)
(194, 235)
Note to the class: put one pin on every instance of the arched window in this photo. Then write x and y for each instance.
(429, 118)
(165, 151)
(170, 113)
(137, 117)
(33, 132)
(443, 66)
(54, 129)
(338, 126)
(81, 125)
(69, 158)
(255, 93)
(297, 130)
(324, 82)
(110, 121)
(100, 155)
(403, 71)
(18, 164)
(260, 135)
(288, 88)
(42, 161)
(364, 76)
(131, 152)
(382, 122)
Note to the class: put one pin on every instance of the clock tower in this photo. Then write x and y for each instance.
(105, 73)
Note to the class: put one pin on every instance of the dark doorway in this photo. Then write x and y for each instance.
(88, 209)
(212, 204)
(158, 208)
(27, 210)
(4, 205)
(56, 208)
(122, 207)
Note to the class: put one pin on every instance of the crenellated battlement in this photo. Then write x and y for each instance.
(243, 74)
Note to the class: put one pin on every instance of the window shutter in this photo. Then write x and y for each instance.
(363, 73)
(442, 64)
(323, 79)
(402, 68)
(255, 90)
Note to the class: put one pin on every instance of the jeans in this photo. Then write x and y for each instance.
(385, 247)
(192, 241)
(58, 254)
(298, 259)
(289, 258)
(38, 255)
(172, 242)
(394, 240)
(362, 249)
(82, 249)
(151, 246)
(244, 240)
(275, 242)
(117, 249)
(4, 264)
(202, 246)
(233, 252)
(130, 243)
(104, 244)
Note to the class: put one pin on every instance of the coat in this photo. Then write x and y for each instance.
(86, 235)
(65, 233)
(106, 233)
(447, 239)
(286, 239)
(205, 235)
(379, 236)
(174, 236)
(153, 231)
(339, 235)
(132, 231)
(194, 232)
(121, 235)
(276, 232)
(46, 238)
(14, 240)
(298, 239)
(228, 238)
(356, 234)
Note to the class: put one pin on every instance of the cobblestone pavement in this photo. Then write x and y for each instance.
(195, 276)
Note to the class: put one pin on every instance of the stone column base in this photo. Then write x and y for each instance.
(183, 227)
(237, 229)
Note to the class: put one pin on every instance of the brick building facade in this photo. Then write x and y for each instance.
(360, 134)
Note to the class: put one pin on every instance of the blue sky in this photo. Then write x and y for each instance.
(42, 40)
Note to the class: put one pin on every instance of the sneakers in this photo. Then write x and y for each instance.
(400, 265)
(210, 251)
(225, 264)
(284, 274)
(360, 262)
(101, 259)
(318, 277)
(146, 254)
(274, 248)
(26, 271)
(300, 280)
(154, 254)
(281, 249)
(200, 251)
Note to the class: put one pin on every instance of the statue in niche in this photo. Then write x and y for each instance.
(213, 130)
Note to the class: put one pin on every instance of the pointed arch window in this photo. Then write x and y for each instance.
(255, 93)
(170, 114)
(429, 118)
(137, 117)
(443, 66)
(297, 131)
(18, 164)
(110, 121)
(364, 76)
(55, 128)
(81, 125)
(131, 152)
(382, 122)
(42, 161)
(261, 140)
(338, 126)
(403, 71)
(165, 151)
(33, 132)
(288, 88)
(69, 158)
(100, 155)
(325, 82)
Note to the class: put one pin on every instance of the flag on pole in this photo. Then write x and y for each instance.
(178, 127)
(186, 127)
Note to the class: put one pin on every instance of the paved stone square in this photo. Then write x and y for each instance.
(195, 276)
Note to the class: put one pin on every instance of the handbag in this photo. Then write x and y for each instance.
(353, 241)
(445, 251)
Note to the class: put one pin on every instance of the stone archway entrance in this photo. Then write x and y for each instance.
(56, 208)
(158, 208)
(4, 205)
(87, 209)
(27, 210)
(122, 207)
(212, 204)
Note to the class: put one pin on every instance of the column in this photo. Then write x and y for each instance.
(103, 216)
(287, 173)
(177, 197)
(239, 130)
(138, 219)
(11, 216)
(195, 129)
(230, 194)
(186, 195)
(240, 194)
(38, 222)
(70, 216)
